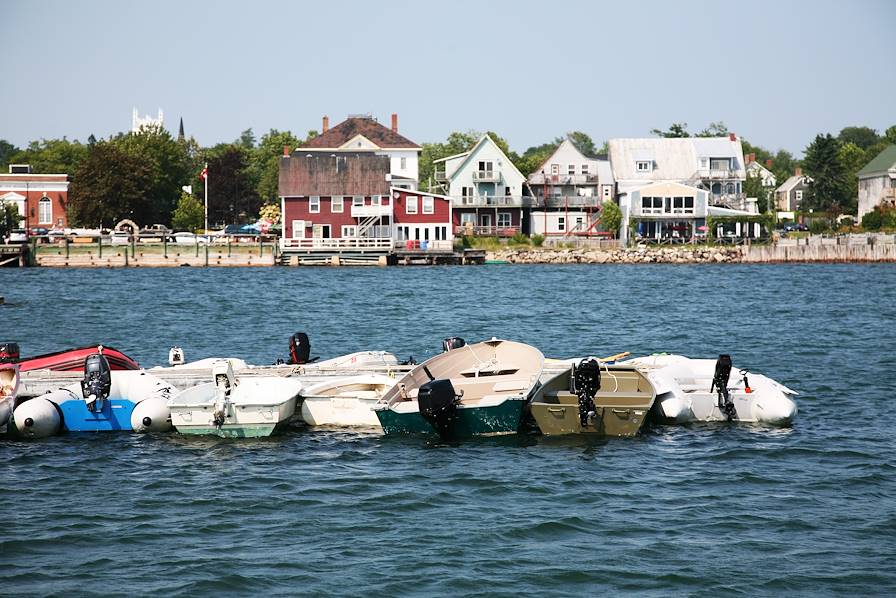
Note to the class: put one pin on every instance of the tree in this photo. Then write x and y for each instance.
(247, 139)
(111, 184)
(265, 162)
(829, 188)
(610, 217)
(753, 188)
(675, 130)
(853, 158)
(232, 197)
(863, 137)
(783, 165)
(189, 213)
(9, 218)
(583, 142)
(51, 156)
(7, 151)
(715, 129)
(533, 157)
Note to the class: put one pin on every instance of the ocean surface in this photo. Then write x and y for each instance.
(702, 510)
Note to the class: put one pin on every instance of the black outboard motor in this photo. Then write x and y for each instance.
(452, 343)
(299, 349)
(720, 385)
(438, 405)
(97, 382)
(586, 383)
(9, 352)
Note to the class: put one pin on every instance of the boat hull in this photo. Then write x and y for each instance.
(339, 411)
(503, 418)
(72, 360)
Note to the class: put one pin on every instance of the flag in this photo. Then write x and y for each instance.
(204, 174)
(188, 189)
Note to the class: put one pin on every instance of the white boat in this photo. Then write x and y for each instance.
(345, 401)
(691, 390)
(9, 388)
(235, 407)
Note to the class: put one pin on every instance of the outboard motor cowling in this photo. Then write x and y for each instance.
(176, 356)
(299, 349)
(437, 402)
(586, 383)
(97, 382)
(452, 343)
(720, 385)
(9, 352)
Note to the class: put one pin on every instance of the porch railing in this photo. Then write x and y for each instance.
(344, 243)
(487, 231)
(488, 201)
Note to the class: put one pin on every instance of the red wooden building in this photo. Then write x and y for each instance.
(40, 198)
(422, 220)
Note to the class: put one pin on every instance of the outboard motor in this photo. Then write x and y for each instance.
(438, 405)
(720, 385)
(9, 352)
(452, 343)
(299, 349)
(97, 382)
(176, 356)
(586, 383)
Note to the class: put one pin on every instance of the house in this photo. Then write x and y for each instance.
(568, 189)
(39, 198)
(877, 181)
(789, 196)
(755, 169)
(422, 220)
(670, 186)
(362, 133)
(486, 190)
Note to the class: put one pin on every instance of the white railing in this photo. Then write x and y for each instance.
(366, 211)
(344, 243)
(439, 174)
(421, 245)
(486, 231)
(716, 174)
(562, 179)
(486, 175)
(513, 201)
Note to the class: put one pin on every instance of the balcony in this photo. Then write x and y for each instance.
(486, 176)
(716, 174)
(486, 231)
(491, 201)
(540, 178)
(366, 211)
(439, 175)
(567, 201)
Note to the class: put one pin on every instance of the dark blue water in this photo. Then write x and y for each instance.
(697, 510)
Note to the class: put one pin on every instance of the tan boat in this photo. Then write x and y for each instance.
(594, 398)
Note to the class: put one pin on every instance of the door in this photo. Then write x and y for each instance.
(298, 229)
(485, 220)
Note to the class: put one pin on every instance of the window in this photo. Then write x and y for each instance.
(704, 162)
(561, 224)
(643, 166)
(404, 163)
(571, 169)
(555, 169)
(466, 194)
(298, 229)
(375, 200)
(467, 218)
(651, 205)
(799, 195)
(607, 191)
(45, 211)
(349, 231)
(428, 205)
(314, 204)
(336, 204)
(719, 164)
(682, 205)
(357, 200)
(584, 169)
(486, 166)
(441, 233)
(504, 219)
(410, 206)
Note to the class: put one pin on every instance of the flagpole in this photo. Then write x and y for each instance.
(206, 198)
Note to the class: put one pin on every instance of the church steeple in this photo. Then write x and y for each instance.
(180, 131)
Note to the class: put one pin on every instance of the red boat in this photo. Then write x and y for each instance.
(70, 360)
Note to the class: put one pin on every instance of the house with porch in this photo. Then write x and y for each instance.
(789, 196)
(669, 186)
(486, 190)
(39, 198)
(877, 181)
(567, 192)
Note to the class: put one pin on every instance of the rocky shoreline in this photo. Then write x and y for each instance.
(633, 255)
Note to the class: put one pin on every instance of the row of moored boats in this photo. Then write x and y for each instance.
(485, 388)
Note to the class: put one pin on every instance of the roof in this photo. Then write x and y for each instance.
(604, 172)
(884, 161)
(353, 126)
(788, 185)
(482, 140)
(675, 158)
(357, 173)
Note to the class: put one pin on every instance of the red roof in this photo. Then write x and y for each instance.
(353, 126)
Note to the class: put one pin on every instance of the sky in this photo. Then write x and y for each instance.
(777, 73)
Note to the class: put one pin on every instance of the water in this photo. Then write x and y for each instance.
(697, 510)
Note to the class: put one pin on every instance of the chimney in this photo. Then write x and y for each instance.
(732, 137)
(325, 126)
(395, 122)
(768, 163)
(286, 151)
(797, 171)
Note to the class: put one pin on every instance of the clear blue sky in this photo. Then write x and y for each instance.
(775, 72)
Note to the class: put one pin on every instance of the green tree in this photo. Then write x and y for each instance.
(610, 217)
(9, 218)
(582, 141)
(247, 139)
(829, 189)
(714, 129)
(853, 158)
(675, 130)
(7, 151)
(783, 165)
(753, 188)
(232, 197)
(111, 184)
(264, 161)
(863, 137)
(51, 156)
(189, 214)
(535, 156)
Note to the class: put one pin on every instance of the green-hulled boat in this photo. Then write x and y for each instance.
(471, 390)
(594, 398)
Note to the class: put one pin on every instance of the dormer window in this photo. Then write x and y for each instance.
(644, 166)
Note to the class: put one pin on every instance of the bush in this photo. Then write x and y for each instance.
(538, 240)
(466, 242)
(519, 239)
(817, 226)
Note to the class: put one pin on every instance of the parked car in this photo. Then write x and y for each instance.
(18, 235)
(156, 231)
(39, 231)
